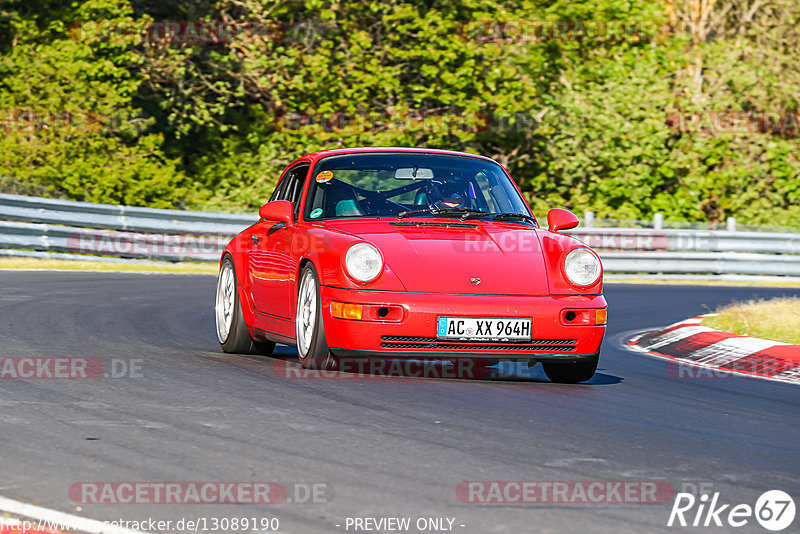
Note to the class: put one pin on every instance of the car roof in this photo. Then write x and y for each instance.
(316, 156)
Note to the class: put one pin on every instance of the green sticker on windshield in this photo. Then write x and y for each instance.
(315, 213)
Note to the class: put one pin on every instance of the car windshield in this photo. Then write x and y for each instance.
(410, 184)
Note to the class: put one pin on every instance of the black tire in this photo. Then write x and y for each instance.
(316, 354)
(237, 340)
(572, 372)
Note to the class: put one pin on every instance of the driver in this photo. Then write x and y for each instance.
(452, 195)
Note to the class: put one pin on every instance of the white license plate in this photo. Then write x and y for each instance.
(484, 328)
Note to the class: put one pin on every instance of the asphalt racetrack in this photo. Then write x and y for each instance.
(381, 447)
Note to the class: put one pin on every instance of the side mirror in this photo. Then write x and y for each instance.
(560, 219)
(277, 210)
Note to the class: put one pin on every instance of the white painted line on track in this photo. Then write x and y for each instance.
(60, 520)
(4, 269)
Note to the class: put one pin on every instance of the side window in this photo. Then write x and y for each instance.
(293, 192)
(287, 191)
(291, 186)
(277, 194)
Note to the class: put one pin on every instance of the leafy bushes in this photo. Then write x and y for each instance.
(586, 124)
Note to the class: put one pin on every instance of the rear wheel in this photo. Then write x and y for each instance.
(312, 349)
(232, 331)
(572, 372)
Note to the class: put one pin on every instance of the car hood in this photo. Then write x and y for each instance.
(487, 257)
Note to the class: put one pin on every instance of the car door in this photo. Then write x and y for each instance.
(272, 268)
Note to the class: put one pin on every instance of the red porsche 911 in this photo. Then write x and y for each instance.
(410, 253)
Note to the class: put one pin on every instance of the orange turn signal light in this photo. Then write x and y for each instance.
(601, 316)
(344, 310)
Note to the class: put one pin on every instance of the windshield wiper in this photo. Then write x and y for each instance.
(520, 216)
(438, 211)
(501, 216)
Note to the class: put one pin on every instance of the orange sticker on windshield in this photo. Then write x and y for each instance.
(324, 176)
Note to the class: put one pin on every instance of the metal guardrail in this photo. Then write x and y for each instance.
(109, 216)
(55, 238)
(684, 252)
(644, 239)
(731, 224)
(39, 226)
(701, 262)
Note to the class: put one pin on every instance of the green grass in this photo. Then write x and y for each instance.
(775, 319)
(80, 265)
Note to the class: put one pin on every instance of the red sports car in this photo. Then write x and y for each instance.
(410, 253)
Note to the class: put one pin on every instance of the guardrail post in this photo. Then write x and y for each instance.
(731, 224)
(658, 221)
(588, 219)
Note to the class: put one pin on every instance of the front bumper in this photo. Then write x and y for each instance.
(414, 334)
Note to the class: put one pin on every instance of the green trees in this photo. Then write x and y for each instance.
(612, 141)
(209, 120)
(70, 124)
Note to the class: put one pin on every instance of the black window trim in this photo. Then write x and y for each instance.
(306, 197)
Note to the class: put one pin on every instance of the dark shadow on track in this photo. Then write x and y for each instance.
(285, 365)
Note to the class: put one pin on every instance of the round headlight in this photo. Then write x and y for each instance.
(582, 267)
(363, 262)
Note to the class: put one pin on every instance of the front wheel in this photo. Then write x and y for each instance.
(312, 349)
(232, 331)
(572, 372)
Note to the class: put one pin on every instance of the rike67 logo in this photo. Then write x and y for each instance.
(774, 510)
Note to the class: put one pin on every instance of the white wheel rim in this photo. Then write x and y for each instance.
(306, 313)
(226, 299)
